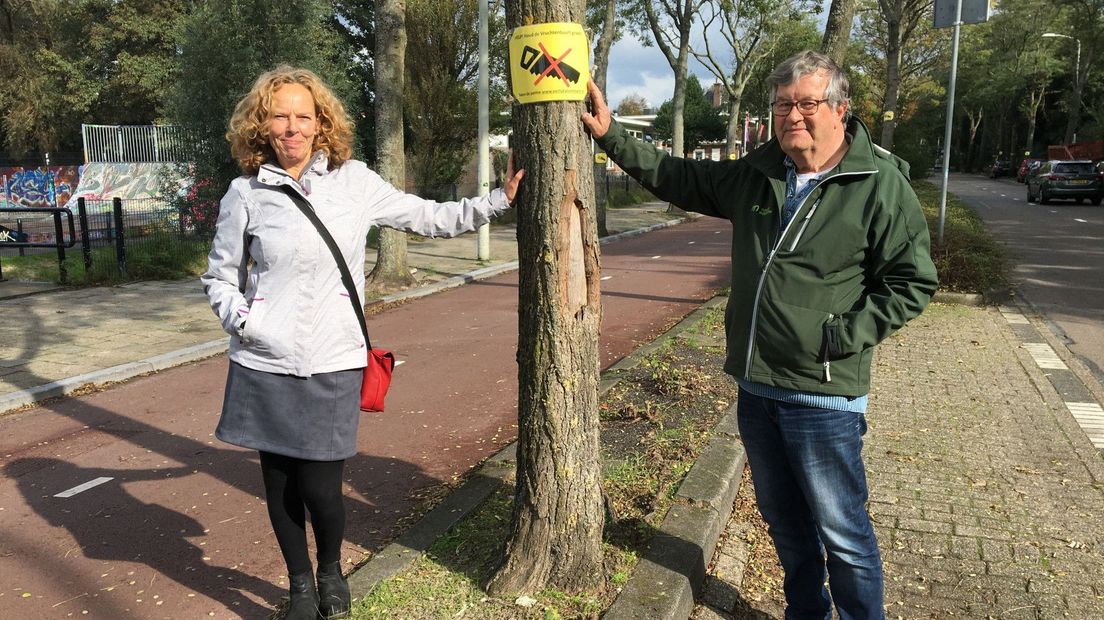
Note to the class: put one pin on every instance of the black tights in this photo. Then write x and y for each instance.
(293, 486)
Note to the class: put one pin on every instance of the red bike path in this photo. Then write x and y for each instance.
(158, 519)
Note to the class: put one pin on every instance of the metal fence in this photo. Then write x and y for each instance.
(116, 240)
(607, 182)
(136, 143)
(126, 239)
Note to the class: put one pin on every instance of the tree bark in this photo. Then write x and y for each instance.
(391, 271)
(601, 65)
(837, 30)
(556, 533)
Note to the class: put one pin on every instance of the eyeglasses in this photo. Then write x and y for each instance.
(807, 107)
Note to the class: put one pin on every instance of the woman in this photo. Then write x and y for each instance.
(296, 350)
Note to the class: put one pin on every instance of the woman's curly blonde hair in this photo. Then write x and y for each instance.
(248, 134)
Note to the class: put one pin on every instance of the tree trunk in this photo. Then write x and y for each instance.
(601, 64)
(605, 42)
(893, 81)
(391, 271)
(837, 31)
(974, 119)
(1035, 98)
(556, 532)
(734, 126)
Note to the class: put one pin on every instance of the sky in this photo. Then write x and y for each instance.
(644, 71)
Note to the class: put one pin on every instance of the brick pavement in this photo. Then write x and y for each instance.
(987, 496)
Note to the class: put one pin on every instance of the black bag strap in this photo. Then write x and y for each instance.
(346, 277)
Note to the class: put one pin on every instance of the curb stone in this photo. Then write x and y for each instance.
(673, 569)
(704, 498)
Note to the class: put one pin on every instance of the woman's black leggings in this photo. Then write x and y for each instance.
(293, 486)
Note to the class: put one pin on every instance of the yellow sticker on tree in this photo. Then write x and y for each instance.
(549, 62)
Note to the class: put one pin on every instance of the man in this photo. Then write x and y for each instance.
(830, 255)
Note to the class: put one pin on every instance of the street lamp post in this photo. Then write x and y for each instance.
(1076, 73)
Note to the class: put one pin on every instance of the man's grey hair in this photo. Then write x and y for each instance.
(808, 62)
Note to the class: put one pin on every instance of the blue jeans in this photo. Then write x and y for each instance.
(811, 488)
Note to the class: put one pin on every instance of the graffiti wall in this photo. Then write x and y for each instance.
(100, 181)
(38, 187)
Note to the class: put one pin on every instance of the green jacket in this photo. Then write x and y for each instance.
(808, 303)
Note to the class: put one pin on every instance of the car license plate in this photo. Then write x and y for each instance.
(1078, 181)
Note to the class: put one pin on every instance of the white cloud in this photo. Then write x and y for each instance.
(634, 68)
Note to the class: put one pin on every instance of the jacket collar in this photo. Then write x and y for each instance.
(270, 173)
(859, 158)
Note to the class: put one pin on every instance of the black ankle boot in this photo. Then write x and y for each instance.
(304, 597)
(333, 592)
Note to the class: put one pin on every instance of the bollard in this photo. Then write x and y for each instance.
(86, 243)
(63, 273)
(120, 242)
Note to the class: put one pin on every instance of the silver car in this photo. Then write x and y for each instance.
(1065, 179)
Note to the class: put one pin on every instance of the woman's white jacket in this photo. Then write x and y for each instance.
(270, 270)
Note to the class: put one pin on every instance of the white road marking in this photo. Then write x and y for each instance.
(80, 488)
(604, 278)
(1077, 219)
(691, 243)
(400, 362)
(1044, 356)
(1013, 317)
(1090, 416)
(656, 256)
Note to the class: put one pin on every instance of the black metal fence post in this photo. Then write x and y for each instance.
(86, 242)
(120, 241)
(63, 273)
(19, 229)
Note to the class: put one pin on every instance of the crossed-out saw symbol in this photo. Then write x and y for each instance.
(542, 64)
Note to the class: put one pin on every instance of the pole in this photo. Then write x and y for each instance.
(949, 123)
(86, 242)
(120, 236)
(484, 253)
(1077, 86)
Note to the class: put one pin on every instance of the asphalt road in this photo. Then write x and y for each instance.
(1058, 256)
(122, 504)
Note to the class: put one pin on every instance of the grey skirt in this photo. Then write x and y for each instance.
(312, 418)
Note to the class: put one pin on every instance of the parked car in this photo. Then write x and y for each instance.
(1000, 168)
(1075, 180)
(1026, 166)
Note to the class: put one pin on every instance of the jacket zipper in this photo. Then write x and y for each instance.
(827, 349)
(767, 264)
(804, 224)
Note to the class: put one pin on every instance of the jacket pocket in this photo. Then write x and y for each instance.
(790, 340)
(261, 334)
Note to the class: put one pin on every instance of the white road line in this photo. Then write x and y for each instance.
(1077, 219)
(1013, 317)
(691, 243)
(604, 278)
(400, 362)
(657, 256)
(80, 488)
(1044, 356)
